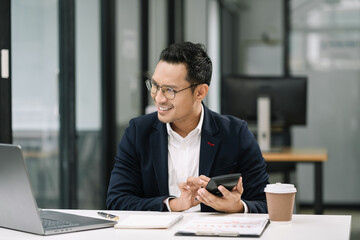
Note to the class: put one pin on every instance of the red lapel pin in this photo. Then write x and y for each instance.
(211, 144)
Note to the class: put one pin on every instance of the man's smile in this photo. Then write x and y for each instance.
(164, 109)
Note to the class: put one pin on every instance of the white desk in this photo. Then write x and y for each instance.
(301, 227)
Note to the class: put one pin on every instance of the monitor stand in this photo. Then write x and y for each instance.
(263, 123)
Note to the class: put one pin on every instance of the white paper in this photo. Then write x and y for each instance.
(148, 221)
(225, 226)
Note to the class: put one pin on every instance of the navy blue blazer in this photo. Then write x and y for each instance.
(139, 180)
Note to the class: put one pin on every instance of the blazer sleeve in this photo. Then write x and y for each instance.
(253, 171)
(125, 190)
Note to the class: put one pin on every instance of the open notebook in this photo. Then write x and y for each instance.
(18, 207)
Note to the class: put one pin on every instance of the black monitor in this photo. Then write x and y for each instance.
(288, 98)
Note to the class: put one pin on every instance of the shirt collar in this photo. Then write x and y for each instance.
(172, 133)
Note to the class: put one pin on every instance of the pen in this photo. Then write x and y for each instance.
(109, 216)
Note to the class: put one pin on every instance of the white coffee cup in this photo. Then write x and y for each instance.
(280, 199)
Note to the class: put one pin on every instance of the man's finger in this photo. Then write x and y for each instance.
(206, 196)
(239, 186)
(226, 193)
(196, 181)
(204, 178)
(183, 185)
(200, 199)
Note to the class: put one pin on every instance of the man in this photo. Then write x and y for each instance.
(166, 158)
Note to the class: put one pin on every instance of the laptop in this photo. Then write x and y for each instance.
(18, 208)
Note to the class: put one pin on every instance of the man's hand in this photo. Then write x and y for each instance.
(230, 202)
(199, 182)
(187, 198)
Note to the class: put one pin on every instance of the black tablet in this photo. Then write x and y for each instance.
(229, 181)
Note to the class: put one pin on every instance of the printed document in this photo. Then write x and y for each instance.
(224, 226)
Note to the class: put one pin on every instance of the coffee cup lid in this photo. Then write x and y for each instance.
(280, 188)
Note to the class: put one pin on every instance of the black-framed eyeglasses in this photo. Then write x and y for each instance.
(168, 92)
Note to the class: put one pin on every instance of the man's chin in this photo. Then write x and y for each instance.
(163, 118)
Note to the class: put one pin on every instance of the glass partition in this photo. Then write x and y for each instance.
(325, 46)
(88, 103)
(35, 114)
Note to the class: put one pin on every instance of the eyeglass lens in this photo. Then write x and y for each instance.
(168, 92)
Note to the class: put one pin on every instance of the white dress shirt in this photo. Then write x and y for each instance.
(183, 159)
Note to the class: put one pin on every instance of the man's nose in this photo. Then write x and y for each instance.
(160, 97)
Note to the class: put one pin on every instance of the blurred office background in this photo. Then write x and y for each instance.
(77, 71)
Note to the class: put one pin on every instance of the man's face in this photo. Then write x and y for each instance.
(182, 108)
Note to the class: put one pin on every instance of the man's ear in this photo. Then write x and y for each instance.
(201, 91)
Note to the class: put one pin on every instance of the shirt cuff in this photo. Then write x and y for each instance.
(246, 209)
(166, 202)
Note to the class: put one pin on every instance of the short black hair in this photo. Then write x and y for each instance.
(194, 56)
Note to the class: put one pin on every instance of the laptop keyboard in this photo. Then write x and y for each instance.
(51, 223)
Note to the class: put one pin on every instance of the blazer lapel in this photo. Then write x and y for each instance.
(209, 143)
(159, 156)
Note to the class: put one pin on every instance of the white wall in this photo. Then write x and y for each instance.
(333, 123)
